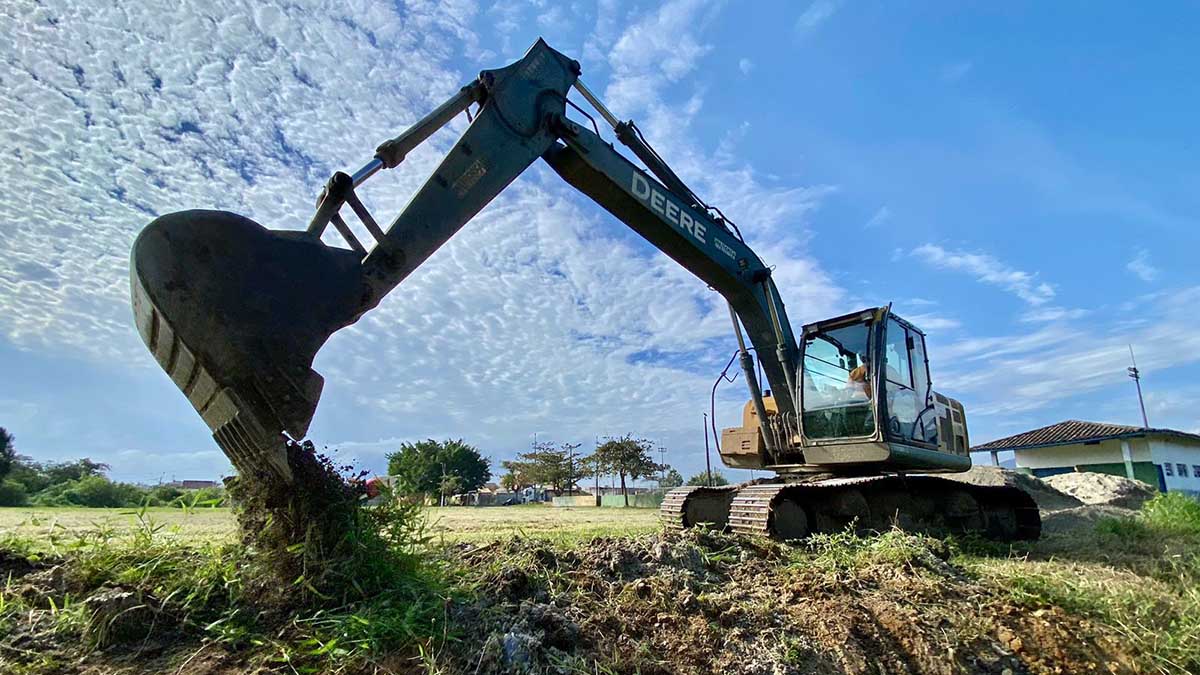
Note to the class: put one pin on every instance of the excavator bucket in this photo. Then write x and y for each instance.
(235, 314)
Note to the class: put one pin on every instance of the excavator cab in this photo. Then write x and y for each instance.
(866, 403)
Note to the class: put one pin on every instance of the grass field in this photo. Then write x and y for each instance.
(451, 524)
(1123, 592)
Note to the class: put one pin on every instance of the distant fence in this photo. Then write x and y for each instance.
(577, 500)
(645, 500)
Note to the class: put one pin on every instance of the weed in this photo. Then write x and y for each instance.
(846, 556)
(1172, 513)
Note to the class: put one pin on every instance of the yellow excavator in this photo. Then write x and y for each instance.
(850, 425)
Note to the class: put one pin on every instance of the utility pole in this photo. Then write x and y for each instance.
(1137, 380)
(662, 463)
(596, 469)
(441, 487)
(707, 463)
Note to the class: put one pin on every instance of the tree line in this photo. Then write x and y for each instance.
(433, 468)
(438, 469)
(82, 482)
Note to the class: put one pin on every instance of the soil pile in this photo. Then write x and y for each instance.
(297, 529)
(699, 602)
(1048, 497)
(1102, 488)
(1081, 518)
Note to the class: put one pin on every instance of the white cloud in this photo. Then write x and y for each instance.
(745, 65)
(988, 270)
(1041, 314)
(1140, 266)
(881, 216)
(815, 14)
(1025, 372)
(542, 314)
(931, 323)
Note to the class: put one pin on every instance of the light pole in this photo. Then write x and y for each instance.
(1137, 380)
(707, 463)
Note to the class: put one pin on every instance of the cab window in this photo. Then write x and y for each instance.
(837, 380)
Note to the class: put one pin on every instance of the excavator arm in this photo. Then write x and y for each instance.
(235, 313)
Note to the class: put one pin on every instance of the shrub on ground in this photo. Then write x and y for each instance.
(12, 493)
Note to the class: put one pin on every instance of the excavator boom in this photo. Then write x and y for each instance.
(235, 313)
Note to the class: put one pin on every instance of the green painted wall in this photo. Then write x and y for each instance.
(1143, 471)
(650, 500)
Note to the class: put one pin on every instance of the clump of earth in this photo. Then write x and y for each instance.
(298, 528)
(702, 602)
(1048, 497)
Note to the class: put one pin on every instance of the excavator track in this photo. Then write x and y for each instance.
(689, 506)
(925, 504)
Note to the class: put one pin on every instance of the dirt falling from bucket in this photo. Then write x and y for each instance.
(302, 534)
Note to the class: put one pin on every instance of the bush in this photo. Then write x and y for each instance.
(1173, 513)
(209, 496)
(92, 491)
(165, 495)
(13, 493)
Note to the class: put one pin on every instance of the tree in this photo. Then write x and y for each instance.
(558, 468)
(8, 453)
(672, 479)
(77, 470)
(517, 477)
(419, 467)
(449, 485)
(625, 456)
(702, 479)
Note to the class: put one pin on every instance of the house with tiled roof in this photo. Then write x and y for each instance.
(1166, 458)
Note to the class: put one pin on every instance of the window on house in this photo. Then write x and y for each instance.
(1168, 469)
(1182, 468)
(1196, 470)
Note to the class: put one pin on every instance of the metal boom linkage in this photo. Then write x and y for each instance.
(521, 117)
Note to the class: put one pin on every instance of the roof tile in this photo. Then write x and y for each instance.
(1074, 431)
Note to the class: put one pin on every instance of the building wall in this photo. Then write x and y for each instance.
(1176, 451)
(1105, 452)
(1149, 456)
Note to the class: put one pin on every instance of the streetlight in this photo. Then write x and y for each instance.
(707, 463)
(1137, 380)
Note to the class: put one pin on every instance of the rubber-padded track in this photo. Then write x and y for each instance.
(914, 503)
(692, 505)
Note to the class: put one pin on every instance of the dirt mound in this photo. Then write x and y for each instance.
(1081, 519)
(298, 529)
(1048, 498)
(699, 602)
(1103, 488)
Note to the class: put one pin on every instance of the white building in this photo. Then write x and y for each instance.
(1164, 458)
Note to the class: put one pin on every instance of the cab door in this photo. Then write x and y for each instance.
(905, 383)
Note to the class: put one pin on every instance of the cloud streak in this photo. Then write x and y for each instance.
(989, 270)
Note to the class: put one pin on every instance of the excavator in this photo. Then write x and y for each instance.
(848, 422)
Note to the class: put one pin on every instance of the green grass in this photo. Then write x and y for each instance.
(1138, 575)
(52, 527)
(562, 525)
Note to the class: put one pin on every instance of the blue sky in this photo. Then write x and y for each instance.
(1019, 180)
